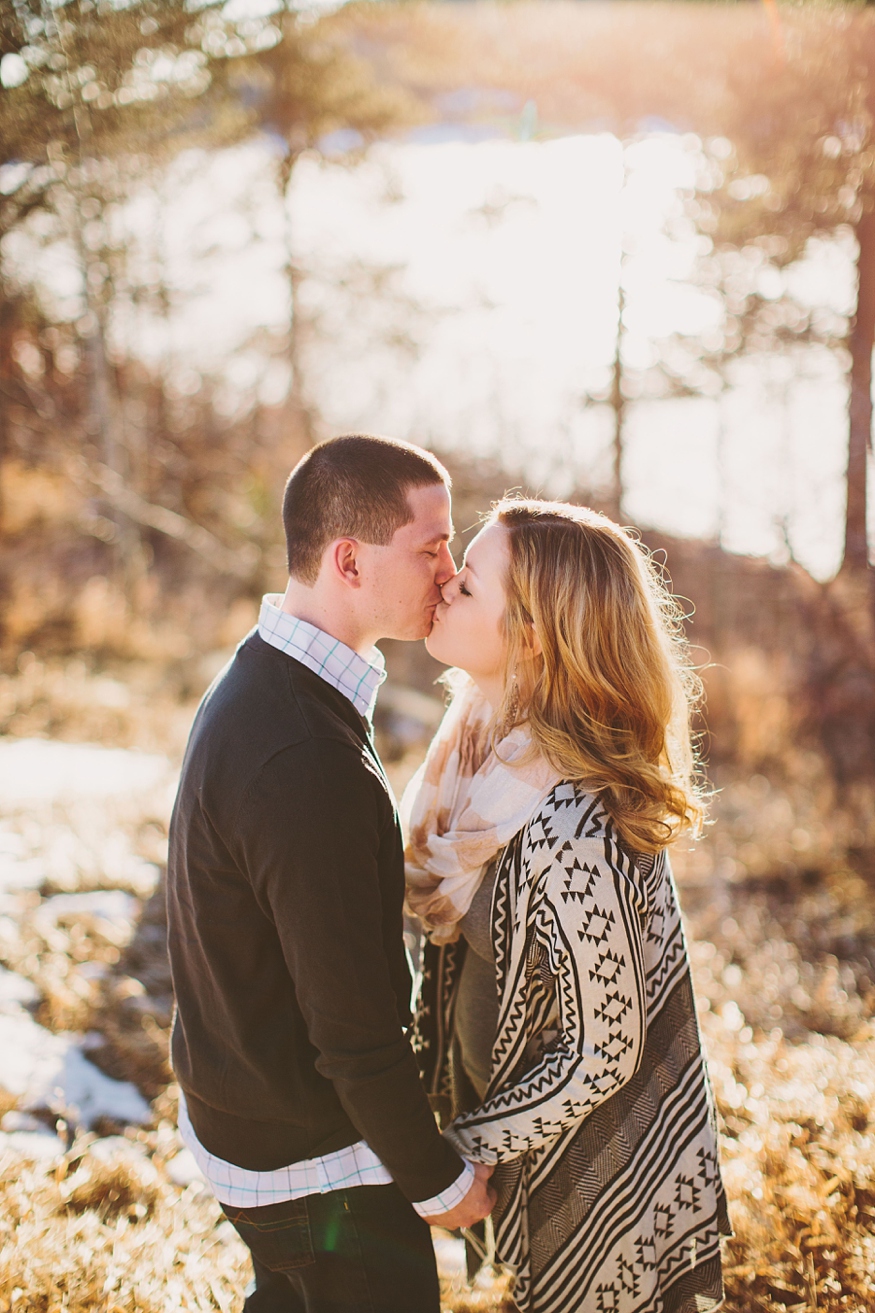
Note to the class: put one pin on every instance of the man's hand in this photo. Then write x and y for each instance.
(477, 1204)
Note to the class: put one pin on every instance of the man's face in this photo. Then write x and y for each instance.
(402, 580)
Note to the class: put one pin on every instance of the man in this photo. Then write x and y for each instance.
(301, 1098)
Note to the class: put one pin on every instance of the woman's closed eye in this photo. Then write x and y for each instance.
(463, 590)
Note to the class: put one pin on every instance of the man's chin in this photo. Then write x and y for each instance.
(418, 630)
(413, 634)
(427, 627)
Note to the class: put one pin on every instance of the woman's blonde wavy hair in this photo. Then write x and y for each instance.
(610, 699)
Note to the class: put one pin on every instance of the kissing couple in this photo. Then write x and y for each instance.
(550, 1072)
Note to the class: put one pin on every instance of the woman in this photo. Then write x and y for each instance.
(557, 1022)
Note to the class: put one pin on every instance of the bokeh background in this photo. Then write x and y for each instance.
(622, 253)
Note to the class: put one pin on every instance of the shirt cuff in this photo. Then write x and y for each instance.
(449, 1198)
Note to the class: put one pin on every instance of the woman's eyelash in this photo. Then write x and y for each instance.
(464, 591)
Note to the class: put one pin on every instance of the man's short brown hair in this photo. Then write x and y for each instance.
(354, 486)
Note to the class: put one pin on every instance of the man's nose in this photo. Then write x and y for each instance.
(446, 566)
(449, 589)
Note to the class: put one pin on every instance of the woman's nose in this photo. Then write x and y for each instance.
(449, 589)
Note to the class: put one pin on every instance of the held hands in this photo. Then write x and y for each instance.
(477, 1204)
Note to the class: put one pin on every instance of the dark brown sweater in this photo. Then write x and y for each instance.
(284, 889)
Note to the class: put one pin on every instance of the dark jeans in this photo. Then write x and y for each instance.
(362, 1250)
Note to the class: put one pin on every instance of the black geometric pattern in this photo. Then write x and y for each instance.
(663, 1220)
(617, 1045)
(707, 1169)
(597, 1039)
(580, 880)
(608, 1298)
(614, 1008)
(645, 1249)
(686, 1192)
(607, 967)
(596, 924)
(629, 1280)
(656, 926)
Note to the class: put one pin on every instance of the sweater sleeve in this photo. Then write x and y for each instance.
(312, 833)
(585, 924)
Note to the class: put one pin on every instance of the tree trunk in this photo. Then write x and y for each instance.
(106, 431)
(862, 340)
(301, 412)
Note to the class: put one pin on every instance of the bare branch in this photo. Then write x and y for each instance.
(239, 561)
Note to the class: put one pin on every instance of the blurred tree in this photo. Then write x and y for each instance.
(756, 317)
(93, 78)
(97, 97)
(311, 93)
(784, 98)
(795, 161)
(96, 94)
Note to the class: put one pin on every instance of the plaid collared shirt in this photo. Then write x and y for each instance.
(359, 678)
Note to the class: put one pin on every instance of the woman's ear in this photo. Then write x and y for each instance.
(533, 642)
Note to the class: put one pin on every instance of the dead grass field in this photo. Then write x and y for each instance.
(109, 1217)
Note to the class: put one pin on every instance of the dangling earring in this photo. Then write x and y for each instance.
(513, 701)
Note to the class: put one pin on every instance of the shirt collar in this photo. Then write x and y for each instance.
(357, 677)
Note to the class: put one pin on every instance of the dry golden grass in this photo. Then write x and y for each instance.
(783, 946)
(799, 1160)
(493, 1298)
(799, 1164)
(79, 1234)
(141, 705)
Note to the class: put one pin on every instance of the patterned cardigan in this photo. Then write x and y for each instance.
(598, 1113)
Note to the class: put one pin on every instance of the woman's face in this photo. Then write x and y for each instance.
(468, 629)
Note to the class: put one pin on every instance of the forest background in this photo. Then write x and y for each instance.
(140, 480)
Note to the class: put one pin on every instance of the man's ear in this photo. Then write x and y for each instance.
(342, 560)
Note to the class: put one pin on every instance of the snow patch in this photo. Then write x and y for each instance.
(16, 991)
(45, 1070)
(183, 1169)
(110, 1148)
(18, 871)
(33, 1145)
(112, 911)
(34, 770)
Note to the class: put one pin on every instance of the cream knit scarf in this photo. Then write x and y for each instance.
(464, 804)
